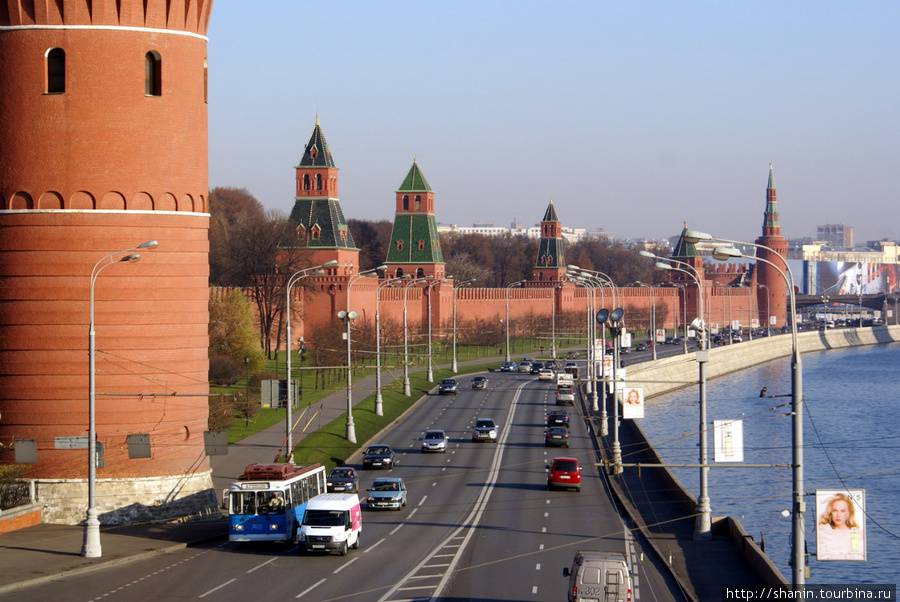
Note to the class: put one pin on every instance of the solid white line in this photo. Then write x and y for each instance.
(262, 565)
(218, 588)
(310, 588)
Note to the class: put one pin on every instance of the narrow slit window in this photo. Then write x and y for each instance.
(56, 71)
(152, 74)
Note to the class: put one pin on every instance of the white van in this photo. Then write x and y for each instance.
(332, 522)
(599, 576)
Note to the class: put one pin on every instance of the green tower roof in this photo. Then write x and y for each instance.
(684, 249)
(316, 153)
(550, 215)
(415, 181)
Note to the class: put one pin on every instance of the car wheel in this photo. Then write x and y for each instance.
(343, 550)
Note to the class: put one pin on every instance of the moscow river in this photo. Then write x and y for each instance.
(851, 442)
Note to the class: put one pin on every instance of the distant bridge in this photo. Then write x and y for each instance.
(875, 302)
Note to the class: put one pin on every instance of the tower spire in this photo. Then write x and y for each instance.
(771, 227)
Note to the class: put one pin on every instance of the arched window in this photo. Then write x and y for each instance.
(318, 181)
(420, 273)
(56, 71)
(305, 181)
(399, 245)
(399, 273)
(405, 202)
(418, 203)
(152, 74)
(421, 245)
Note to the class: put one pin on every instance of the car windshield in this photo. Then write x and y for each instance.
(377, 451)
(447, 381)
(325, 518)
(557, 430)
(385, 486)
(484, 424)
(565, 466)
(434, 435)
(342, 473)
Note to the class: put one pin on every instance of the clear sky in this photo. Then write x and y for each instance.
(632, 116)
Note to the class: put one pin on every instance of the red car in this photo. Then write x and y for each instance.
(565, 473)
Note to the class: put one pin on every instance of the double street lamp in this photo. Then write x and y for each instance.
(294, 278)
(91, 545)
(406, 386)
(614, 318)
(798, 536)
(456, 285)
(514, 284)
(379, 400)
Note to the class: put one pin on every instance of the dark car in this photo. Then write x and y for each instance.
(641, 347)
(552, 365)
(565, 473)
(536, 367)
(378, 456)
(557, 436)
(558, 418)
(480, 382)
(448, 386)
(342, 480)
(573, 355)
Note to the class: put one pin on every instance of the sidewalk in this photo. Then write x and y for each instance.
(46, 552)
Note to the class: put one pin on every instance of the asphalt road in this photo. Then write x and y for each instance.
(480, 523)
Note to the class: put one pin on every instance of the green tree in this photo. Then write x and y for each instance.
(231, 330)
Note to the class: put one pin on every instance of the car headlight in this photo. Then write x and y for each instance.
(273, 527)
(370, 499)
(237, 527)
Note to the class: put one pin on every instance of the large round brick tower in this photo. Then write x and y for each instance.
(103, 138)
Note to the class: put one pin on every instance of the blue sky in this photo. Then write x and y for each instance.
(632, 116)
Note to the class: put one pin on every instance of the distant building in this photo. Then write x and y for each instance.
(835, 235)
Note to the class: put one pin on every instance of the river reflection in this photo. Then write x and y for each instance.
(851, 423)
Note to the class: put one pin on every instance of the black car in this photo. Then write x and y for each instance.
(556, 436)
(342, 479)
(558, 418)
(378, 456)
(448, 386)
(536, 367)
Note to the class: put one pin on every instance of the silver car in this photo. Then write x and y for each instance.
(435, 441)
(387, 492)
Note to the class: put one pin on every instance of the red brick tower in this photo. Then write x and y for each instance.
(774, 285)
(103, 130)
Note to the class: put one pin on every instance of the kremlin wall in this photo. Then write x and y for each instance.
(103, 129)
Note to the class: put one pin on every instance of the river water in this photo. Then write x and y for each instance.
(851, 441)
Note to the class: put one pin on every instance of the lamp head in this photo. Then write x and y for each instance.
(693, 236)
(341, 314)
(134, 257)
(697, 325)
(381, 268)
(352, 315)
(330, 264)
(726, 253)
(602, 316)
(150, 244)
(662, 266)
(646, 254)
(616, 315)
(572, 266)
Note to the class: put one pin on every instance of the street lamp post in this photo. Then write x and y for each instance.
(652, 314)
(292, 280)
(703, 520)
(429, 288)
(91, 547)
(508, 357)
(614, 318)
(454, 366)
(348, 316)
(768, 329)
(798, 536)
(406, 387)
(379, 400)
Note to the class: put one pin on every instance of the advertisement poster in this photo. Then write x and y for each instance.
(854, 278)
(633, 402)
(840, 524)
(729, 440)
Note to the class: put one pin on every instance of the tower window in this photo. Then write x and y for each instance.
(315, 231)
(56, 71)
(399, 273)
(152, 74)
(418, 203)
(305, 181)
(318, 181)
(405, 202)
(421, 245)
(399, 245)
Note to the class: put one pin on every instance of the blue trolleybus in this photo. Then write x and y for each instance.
(267, 502)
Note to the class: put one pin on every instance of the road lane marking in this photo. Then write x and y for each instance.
(215, 589)
(262, 565)
(345, 565)
(310, 588)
